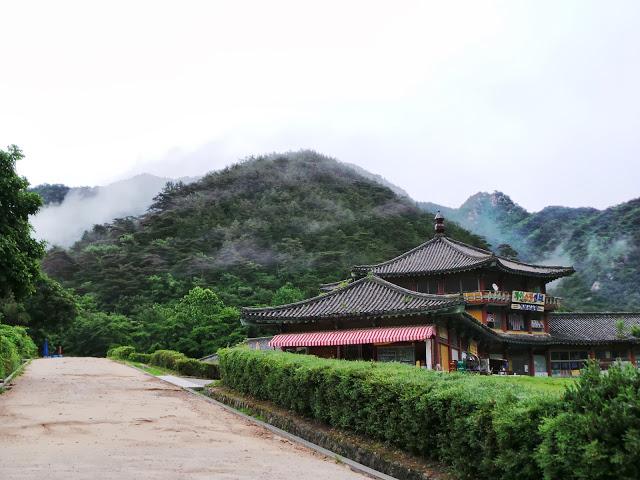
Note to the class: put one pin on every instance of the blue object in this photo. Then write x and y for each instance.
(45, 349)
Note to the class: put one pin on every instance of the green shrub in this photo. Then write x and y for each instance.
(446, 417)
(195, 368)
(140, 357)
(9, 357)
(15, 345)
(23, 342)
(597, 435)
(121, 353)
(166, 358)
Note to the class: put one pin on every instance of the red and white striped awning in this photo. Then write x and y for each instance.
(354, 337)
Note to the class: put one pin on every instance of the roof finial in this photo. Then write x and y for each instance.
(439, 223)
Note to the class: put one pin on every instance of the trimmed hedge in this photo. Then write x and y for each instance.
(121, 353)
(168, 359)
(15, 345)
(140, 357)
(482, 427)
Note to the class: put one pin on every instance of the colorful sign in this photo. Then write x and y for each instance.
(531, 298)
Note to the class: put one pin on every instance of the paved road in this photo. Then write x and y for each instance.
(89, 418)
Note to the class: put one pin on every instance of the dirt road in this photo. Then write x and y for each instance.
(89, 418)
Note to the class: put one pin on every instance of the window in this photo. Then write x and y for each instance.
(397, 354)
(494, 319)
(568, 363)
(516, 322)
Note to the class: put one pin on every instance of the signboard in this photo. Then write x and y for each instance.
(527, 307)
(531, 298)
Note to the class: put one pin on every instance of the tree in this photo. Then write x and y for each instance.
(287, 294)
(507, 251)
(19, 252)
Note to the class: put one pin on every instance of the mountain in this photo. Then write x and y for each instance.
(69, 211)
(246, 231)
(603, 245)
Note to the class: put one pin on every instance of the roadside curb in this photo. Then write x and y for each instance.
(353, 465)
(6, 381)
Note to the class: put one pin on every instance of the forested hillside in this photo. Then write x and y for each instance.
(603, 245)
(245, 231)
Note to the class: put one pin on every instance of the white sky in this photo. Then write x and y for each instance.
(538, 99)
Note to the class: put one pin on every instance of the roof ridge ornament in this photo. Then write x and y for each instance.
(439, 226)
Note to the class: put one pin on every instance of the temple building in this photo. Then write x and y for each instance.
(446, 305)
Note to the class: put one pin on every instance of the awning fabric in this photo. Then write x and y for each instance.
(354, 337)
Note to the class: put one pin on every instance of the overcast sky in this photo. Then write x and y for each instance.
(538, 99)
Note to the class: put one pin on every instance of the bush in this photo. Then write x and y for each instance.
(15, 345)
(195, 368)
(482, 427)
(597, 435)
(166, 358)
(9, 357)
(121, 353)
(140, 357)
(440, 416)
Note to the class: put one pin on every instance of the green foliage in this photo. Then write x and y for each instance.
(195, 368)
(635, 330)
(15, 345)
(123, 352)
(267, 223)
(9, 356)
(602, 245)
(140, 357)
(597, 436)
(287, 294)
(19, 253)
(511, 429)
(445, 417)
(166, 358)
(51, 193)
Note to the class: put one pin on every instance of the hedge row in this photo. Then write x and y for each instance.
(482, 427)
(168, 359)
(15, 345)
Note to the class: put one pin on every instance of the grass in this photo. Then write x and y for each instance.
(151, 369)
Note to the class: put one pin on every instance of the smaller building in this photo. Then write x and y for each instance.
(449, 306)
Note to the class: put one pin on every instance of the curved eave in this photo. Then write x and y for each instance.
(364, 270)
(257, 319)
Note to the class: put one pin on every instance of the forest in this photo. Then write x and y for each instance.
(267, 230)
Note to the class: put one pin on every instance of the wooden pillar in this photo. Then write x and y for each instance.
(632, 357)
(532, 365)
(436, 349)
(441, 285)
(505, 319)
(548, 355)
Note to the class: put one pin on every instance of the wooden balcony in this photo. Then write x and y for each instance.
(491, 297)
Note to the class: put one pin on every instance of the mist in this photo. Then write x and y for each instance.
(63, 224)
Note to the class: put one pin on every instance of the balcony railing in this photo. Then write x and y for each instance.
(489, 297)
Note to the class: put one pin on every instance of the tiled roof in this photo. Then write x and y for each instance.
(444, 255)
(370, 296)
(578, 327)
(330, 287)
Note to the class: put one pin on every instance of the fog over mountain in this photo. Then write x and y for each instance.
(63, 223)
